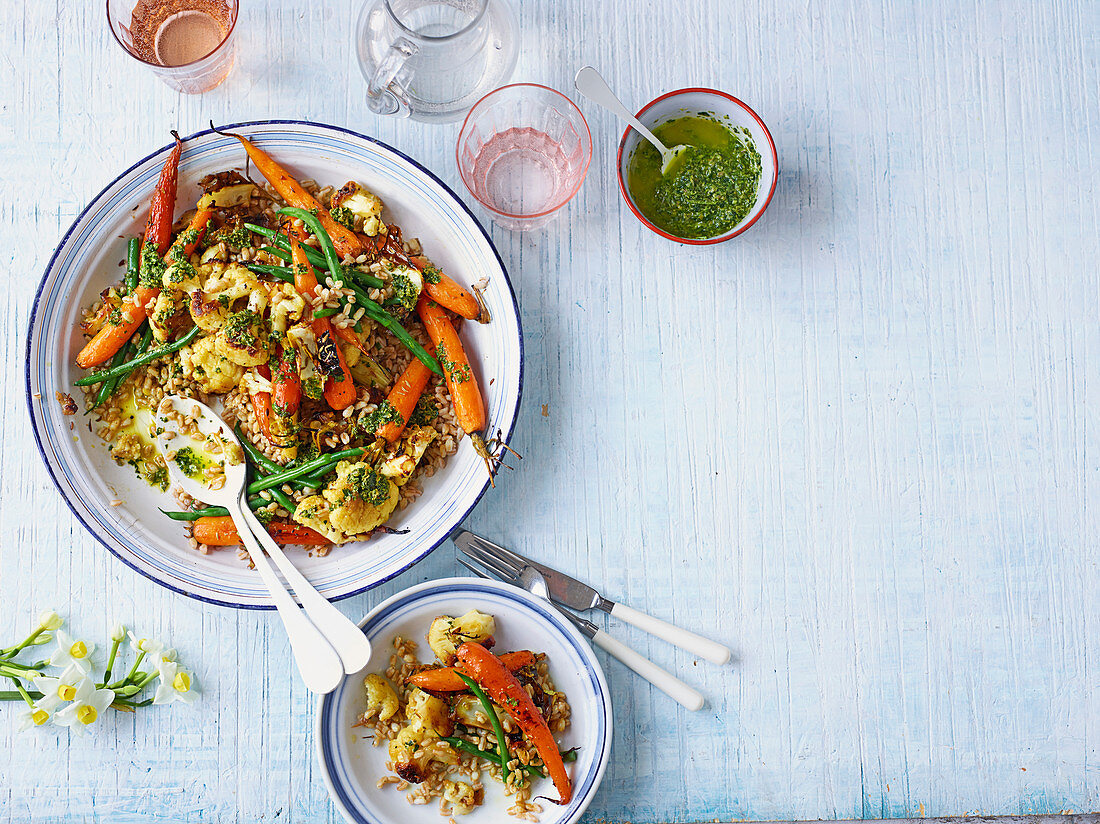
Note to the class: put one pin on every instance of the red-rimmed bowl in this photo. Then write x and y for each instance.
(730, 112)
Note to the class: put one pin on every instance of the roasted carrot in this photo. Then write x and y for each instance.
(465, 395)
(506, 691)
(219, 530)
(339, 388)
(403, 397)
(290, 190)
(261, 405)
(445, 291)
(158, 234)
(445, 679)
(162, 208)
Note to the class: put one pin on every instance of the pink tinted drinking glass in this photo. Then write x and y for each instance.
(188, 44)
(523, 153)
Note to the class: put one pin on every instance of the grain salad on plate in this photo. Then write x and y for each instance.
(330, 343)
(468, 715)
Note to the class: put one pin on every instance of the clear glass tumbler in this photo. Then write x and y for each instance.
(523, 153)
(188, 44)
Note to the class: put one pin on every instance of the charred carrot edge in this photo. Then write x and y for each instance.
(445, 291)
(403, 397)
(445, 679)
(219, 530)
(290, 190)
(507, 692)
(465, 395)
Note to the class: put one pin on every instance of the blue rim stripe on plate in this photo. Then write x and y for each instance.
(119, 539)
(329, 730)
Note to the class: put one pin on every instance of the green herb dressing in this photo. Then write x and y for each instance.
(712, 186)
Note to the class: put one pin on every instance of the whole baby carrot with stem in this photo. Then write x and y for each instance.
(466, 397)
(120, 327)
(290, 190)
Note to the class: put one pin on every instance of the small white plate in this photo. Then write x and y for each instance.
(351, 764)
(86, 261)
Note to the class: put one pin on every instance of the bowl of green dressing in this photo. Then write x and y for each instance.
(718, 187)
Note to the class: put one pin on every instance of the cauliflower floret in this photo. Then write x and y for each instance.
(202, 363)
(287, 307)
(468, 711)
(362, 498)
(461, 796)
(446, 633)
(356, 502)
(429, 712)
(164, 309)
(403, 749)
(400, 467)
(243, 339)
(360, 203)
(381, 698)
(407, 283)
(211, 307)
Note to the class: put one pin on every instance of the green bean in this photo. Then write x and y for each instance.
(332, 260)
(255, 455)
(254, 503)
(309, 467)
(474, 749)
(381, 316)
(141, 360)
(327, 312)
(281, 240)
(276, 251)
(487, 705)
(283, 273)
(107, 388)
(133, 263)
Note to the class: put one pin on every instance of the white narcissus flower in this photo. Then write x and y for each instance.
(175, 684)
(62, 688)
(39, 713)
(72, 652)
(147, 645)
(118, 632)
(87, 705)
(49, 620)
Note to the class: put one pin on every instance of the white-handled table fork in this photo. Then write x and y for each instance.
(527, 576)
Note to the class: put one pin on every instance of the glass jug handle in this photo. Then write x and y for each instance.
(383, 95)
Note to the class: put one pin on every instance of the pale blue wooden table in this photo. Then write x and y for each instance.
(860, 443)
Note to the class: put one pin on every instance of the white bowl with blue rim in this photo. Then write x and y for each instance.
(87, 260)
(350, 763)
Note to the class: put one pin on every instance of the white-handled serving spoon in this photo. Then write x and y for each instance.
(591, 84)
(320, 666)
